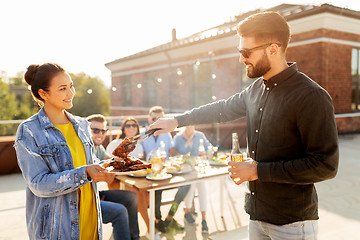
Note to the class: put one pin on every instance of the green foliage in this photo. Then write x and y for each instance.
(91, 96)
(23, 106)
(18, 80)
(8, 108)
(27, 107)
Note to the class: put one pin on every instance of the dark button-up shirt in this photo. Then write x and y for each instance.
(291, 134)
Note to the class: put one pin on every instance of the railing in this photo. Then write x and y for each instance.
(114, 121)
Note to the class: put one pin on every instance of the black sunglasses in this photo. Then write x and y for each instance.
(131, 125)
(98, 130)
(247, 52)
(154, 119)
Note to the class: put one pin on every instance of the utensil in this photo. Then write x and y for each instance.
(138, 138)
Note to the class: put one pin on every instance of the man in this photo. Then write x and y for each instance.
(291, 133)
(117, 206)
(151, 144)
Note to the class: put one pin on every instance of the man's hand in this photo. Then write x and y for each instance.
(166, 124)
(98, 173)
(243, 171)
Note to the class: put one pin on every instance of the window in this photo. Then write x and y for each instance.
(202, 84)
(355, 72)
(126, 90)
(150, 90)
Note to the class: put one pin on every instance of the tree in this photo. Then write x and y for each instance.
(8, 109)
(91, 96)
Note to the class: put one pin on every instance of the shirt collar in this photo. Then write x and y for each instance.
(282, 76)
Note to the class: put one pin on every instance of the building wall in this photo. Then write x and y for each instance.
(327, 63)
(321, 46)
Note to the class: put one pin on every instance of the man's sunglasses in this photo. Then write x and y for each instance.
(154, 119)
(98, 130)
(247, 52)
(131, 125)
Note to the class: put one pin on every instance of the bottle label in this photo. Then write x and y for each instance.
(237, 157)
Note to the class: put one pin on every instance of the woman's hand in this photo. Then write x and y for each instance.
(98, 173)
(243, 171)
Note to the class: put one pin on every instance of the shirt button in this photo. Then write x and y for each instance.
(81, 181)
(275, 84)
(252, 193)
(260, 109)
(256, 130)
(268, 88)
(252, 151)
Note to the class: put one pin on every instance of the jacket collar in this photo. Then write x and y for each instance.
(46, 123)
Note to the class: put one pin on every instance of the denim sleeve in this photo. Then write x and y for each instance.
(41, 180)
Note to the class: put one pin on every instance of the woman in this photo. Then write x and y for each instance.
(188, 141)
(55, 154)
(129, 128)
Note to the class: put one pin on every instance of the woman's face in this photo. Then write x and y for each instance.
(61, 92)
(130, 128)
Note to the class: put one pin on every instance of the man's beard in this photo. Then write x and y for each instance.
(260, 69)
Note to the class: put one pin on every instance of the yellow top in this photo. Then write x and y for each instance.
(86, 196)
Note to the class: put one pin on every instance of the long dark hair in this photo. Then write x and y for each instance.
(122, 134)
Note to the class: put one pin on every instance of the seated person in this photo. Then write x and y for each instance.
(117, 206)
(185, 142)
(129, 128)
(149, 145)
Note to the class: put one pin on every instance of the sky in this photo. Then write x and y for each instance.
(84, 35)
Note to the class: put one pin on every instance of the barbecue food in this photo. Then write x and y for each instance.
(124, 148)
(124, 162)
(128, 164)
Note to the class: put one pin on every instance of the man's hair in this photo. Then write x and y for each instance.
(265, 27)
(156, 109)
(96, 118)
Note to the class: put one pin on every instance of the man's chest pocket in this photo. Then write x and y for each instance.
(273, 128)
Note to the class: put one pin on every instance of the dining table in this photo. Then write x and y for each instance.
(146, 185)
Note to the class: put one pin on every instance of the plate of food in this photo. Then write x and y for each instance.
(121, 166)
(119, 172)
(158, 176)
(221, 160)
(142, 173)
(179, 169)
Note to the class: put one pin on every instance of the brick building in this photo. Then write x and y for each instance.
(204, 67)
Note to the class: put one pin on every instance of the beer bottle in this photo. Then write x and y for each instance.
(163, 154)
(236, 155)
(201, 151)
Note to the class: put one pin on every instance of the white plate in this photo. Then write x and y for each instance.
(182, 171)
(117, 172)
(212, 163)
(162, 177)
(138, 176)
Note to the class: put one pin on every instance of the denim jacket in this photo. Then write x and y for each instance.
(52, 182)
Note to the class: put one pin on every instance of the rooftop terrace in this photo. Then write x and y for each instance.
(339, 205)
